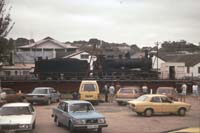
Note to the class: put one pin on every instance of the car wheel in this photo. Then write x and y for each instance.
(71, 128)
(181, 112)
(99, 130)
(148, 112)
(57, 122)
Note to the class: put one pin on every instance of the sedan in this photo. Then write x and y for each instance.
(17, 117)
(156, 103)
(78, 115)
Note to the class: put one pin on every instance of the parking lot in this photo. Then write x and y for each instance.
(121, 120)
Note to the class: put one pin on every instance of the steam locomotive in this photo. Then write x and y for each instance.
(67, 69)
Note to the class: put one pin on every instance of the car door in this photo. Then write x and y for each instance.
(65, 115)
(156, 104)
(167, 105)
(60, 112)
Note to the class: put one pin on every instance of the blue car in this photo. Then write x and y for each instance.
(77, 114)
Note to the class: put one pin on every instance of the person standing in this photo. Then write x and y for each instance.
(106, 91)
(145, 89)
(183, 92)
(195, 90)
(111, 93)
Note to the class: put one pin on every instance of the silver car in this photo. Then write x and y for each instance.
(17, 117)
(45, 95)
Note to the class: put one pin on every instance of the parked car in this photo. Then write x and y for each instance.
(76, 114)
(169, 92)
(45, 95)
(126, 94)
(156, 103)
(13, 96)
(17, 117)
(89, 91)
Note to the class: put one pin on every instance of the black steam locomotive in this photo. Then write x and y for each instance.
(140, 68)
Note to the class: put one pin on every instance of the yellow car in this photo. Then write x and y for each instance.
(89, 91)
(156, 103)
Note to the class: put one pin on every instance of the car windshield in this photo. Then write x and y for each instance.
(89, 87)
(141, 98)
(125, 90)
(14, 111)
(164, 91)
(81, 107)
(40, 91)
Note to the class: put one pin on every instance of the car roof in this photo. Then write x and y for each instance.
(43, 88)
(153, 95)
(75, 101)
(88, 81)
(169, 88)
(130, 87)
(16, 105)
(7, 89)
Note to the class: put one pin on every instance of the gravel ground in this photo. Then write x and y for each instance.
(121, 120)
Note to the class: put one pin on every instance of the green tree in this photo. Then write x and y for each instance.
(6, 26)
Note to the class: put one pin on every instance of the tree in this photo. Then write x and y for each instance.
(5, 27)
(5, 20)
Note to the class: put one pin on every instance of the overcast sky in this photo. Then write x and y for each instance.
(141, 22)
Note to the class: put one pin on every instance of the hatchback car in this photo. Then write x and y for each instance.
(76, 114)
(152, 104)
(169, 92)
(17, 117)
(126, 94)
(43, 95)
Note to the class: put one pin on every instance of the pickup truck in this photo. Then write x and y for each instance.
(78, 115)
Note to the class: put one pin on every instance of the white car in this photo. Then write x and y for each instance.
(17, 117)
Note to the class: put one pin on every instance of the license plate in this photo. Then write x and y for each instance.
(92, 126)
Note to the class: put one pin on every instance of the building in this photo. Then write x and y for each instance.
(177, 66)
(45, 48)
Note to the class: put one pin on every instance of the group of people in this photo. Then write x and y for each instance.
(109, 92)
(195, 91)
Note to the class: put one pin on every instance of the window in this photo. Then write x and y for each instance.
(198, 69)
(188, 69)
(156, 99)
(84, 56)
(165, 99)
(16, 72)
(89, 87)
(25, 72)
(7, 73)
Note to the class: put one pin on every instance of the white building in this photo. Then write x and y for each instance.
(177, 66)
(45, 48)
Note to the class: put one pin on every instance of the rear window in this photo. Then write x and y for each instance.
(15, 111)
(126, 90)
(89, 87)
(164, 91)
(40, 91)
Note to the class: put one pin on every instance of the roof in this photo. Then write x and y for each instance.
(43, 88)
(188, 59)
(153, 95)
(74, 54)
(34, 45)
(75, 101)
(20, 66)
(130, 87)
(88, 81)
(16, 105)
(170, 88)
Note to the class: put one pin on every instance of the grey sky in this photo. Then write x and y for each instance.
(141, 22)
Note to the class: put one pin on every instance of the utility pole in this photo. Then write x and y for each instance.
(157, 53)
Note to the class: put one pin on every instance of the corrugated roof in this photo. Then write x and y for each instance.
(188, 59)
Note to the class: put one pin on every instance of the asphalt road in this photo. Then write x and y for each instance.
(121, 120)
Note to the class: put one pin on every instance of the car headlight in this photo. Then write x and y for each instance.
(102, 120)
(79, 122)
(25, 126)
